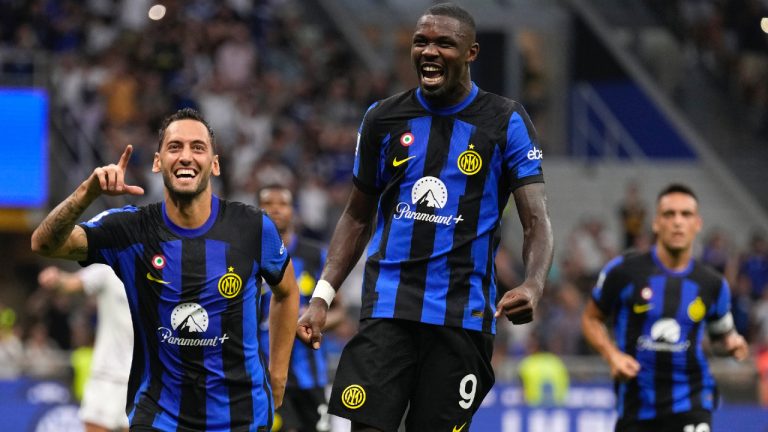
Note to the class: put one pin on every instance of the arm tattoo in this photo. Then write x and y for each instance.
(56, 229)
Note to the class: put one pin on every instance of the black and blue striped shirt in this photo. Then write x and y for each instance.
(443, 177)
(658, 318)
(194, 300)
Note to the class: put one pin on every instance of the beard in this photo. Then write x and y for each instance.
(184, 195)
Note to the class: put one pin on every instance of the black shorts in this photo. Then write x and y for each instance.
(305, 410)
(690, 421)
(442, 372)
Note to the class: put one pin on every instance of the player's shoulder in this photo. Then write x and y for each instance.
(395, 103)
(490, 100)
(706, 273)
(629, 261)
(125, 214)
(239, 209)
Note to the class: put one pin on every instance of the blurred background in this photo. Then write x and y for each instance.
(626, 96)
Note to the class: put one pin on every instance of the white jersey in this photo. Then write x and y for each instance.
(113, 348)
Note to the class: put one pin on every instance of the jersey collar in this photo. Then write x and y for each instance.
(451, 109)
(193, 232)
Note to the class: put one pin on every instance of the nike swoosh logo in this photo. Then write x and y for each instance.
(641, 308)
(459, 429)
(154, 279)
(396, 163)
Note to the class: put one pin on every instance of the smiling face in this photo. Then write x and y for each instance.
(186, 159)
(677, 222)
(441, 51)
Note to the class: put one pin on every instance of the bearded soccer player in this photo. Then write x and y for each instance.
(192, 266)
(660, 303)
(434, 169)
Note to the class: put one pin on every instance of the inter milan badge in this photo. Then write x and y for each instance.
(230, 284)
(353, 397)
(469, 161)
(158, 262)
(697, 310)
(406, 139)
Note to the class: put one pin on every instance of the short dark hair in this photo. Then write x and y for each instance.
(453, 11)
(184, 114)
(676, 188)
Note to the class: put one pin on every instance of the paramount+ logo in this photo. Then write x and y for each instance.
(353, 397)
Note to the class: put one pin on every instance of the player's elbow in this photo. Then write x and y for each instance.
(39, 245)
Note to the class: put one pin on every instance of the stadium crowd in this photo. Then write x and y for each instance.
(285, 98)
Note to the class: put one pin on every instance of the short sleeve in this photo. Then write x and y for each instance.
(93, 278)
(366, 169)
(274, 256)
(722, 302)
(609, 285)
(106, 231)
(522, 155)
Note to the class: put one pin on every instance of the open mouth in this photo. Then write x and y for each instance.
(185, 174)
(432, 74)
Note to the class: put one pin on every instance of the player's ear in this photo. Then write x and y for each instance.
(474, 50)
(216, 169)
(156, 163)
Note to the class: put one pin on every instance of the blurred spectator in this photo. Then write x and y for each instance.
(632, 215)
(544, 377)
(42, 358)
(589, 248)
(754, 265)
(11, 348)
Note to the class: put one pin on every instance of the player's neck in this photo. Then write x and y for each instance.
(673, 259)
(189, 213)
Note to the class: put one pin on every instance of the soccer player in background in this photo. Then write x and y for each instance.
(103, 406)
(660, 303)
(192, 266)
(434, 169)
(304, 406)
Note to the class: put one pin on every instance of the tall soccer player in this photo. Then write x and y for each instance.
(192, 267)
(434, 169)
(661, 301)
(304, 406)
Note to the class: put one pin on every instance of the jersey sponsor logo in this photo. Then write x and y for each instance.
(469, 161)
(697, 310)
(665, 336)
(189, 318)
(406, 139)
(430, 192)
(282, 248)
(535, 154)
(640, 308)
(230, 284)
(396, 163)
(154, 279)
(353, 397)
(458, 428)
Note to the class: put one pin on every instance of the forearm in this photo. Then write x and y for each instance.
(284, 312)
(597, 336)
(53, 232)
(538, 250)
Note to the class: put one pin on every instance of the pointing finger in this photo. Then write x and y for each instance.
(125, 157)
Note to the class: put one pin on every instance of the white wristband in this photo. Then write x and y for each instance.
(325, 291)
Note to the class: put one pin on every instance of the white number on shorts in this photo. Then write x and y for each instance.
(701, 427)
(469, 396)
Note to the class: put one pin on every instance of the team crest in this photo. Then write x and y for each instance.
(406, 139)
(158, 261)
(469, 161)
(353, 397)
(696, 310)
(230, 284)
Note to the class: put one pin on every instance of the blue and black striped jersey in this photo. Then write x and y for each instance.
(193, 296)
(308, 367)
(443, 177)
(658, 318)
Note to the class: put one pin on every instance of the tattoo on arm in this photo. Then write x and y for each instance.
(57, 235)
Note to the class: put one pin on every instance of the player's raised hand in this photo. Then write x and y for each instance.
(518, 304)
(110, 179)
(312, 322)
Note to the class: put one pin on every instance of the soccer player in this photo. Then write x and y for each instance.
(192, 267)
(660, 302)
(435, 167)
(103, 406)
(304, 405)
